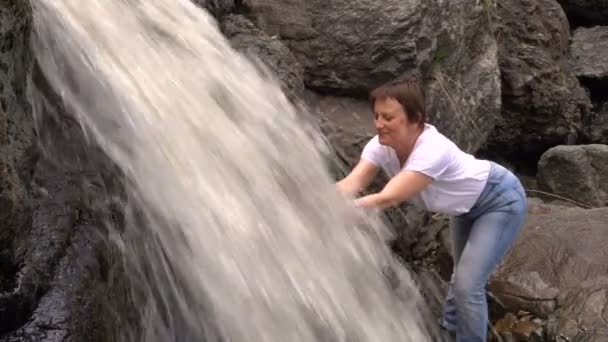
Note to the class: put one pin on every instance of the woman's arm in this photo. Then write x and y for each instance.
(401, 187)
(359, 178)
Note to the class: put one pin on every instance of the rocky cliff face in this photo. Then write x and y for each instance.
(543, 102)
(55, 264)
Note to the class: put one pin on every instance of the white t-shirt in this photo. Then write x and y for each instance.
(458, 177)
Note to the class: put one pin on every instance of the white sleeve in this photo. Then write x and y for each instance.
(430, 158)
(373, 152)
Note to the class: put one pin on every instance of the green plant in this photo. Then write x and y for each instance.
(439, 57)
(489, 7)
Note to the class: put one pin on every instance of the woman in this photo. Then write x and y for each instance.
(486, 202)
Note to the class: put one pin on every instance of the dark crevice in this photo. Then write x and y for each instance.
(598, 89)
(355, 93)
(522, 158)
(585, 19)
(8, 273)
(239, 7)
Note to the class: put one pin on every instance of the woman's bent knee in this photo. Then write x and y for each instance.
(468, 290)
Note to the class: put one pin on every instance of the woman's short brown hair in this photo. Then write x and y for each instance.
(407, 93)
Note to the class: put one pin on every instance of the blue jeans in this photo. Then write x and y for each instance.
(480, 238)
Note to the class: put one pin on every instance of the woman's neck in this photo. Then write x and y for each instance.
(405, 147)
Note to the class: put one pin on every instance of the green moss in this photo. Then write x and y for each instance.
(441, 54)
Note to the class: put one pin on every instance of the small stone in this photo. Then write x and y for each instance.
(525, 329)
(505, 324)
(539, 321)
(526, 318)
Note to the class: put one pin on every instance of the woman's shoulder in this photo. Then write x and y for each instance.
(432, 138)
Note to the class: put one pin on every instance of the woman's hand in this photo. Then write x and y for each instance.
(401, 187)
(359, 178)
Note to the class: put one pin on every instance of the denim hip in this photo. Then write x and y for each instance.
(503, 192)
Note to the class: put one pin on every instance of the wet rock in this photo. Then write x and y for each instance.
(586, 12)
(64, 281)
(576, 172)
(543, 103)
(17, 143)
(218, 8)
(547, 262)
(54, 274)
(246, 38)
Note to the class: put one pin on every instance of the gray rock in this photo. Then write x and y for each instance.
(16, 158)
(463, 93)
(346, 122)
(559, 256)
(543, 103)
(526, 291)
(589, 52)
(586, 12)
(351, 46)
(576, 172)
(245, 37)
(596, 125)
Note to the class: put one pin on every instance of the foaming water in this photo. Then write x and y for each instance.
(235, 231)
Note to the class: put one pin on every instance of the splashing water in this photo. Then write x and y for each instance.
(246, 238)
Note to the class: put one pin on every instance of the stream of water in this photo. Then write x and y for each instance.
(241, 234)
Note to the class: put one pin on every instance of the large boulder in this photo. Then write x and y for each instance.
(255, 44)
(543, 103)
(463, 89)
(348, 47)
(576, 172)
(556, 270)
(586, 12)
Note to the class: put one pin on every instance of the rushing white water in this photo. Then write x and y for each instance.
(241, 233)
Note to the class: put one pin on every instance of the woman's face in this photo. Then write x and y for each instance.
(391, 122)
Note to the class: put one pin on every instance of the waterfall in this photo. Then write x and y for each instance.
(234, 230)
